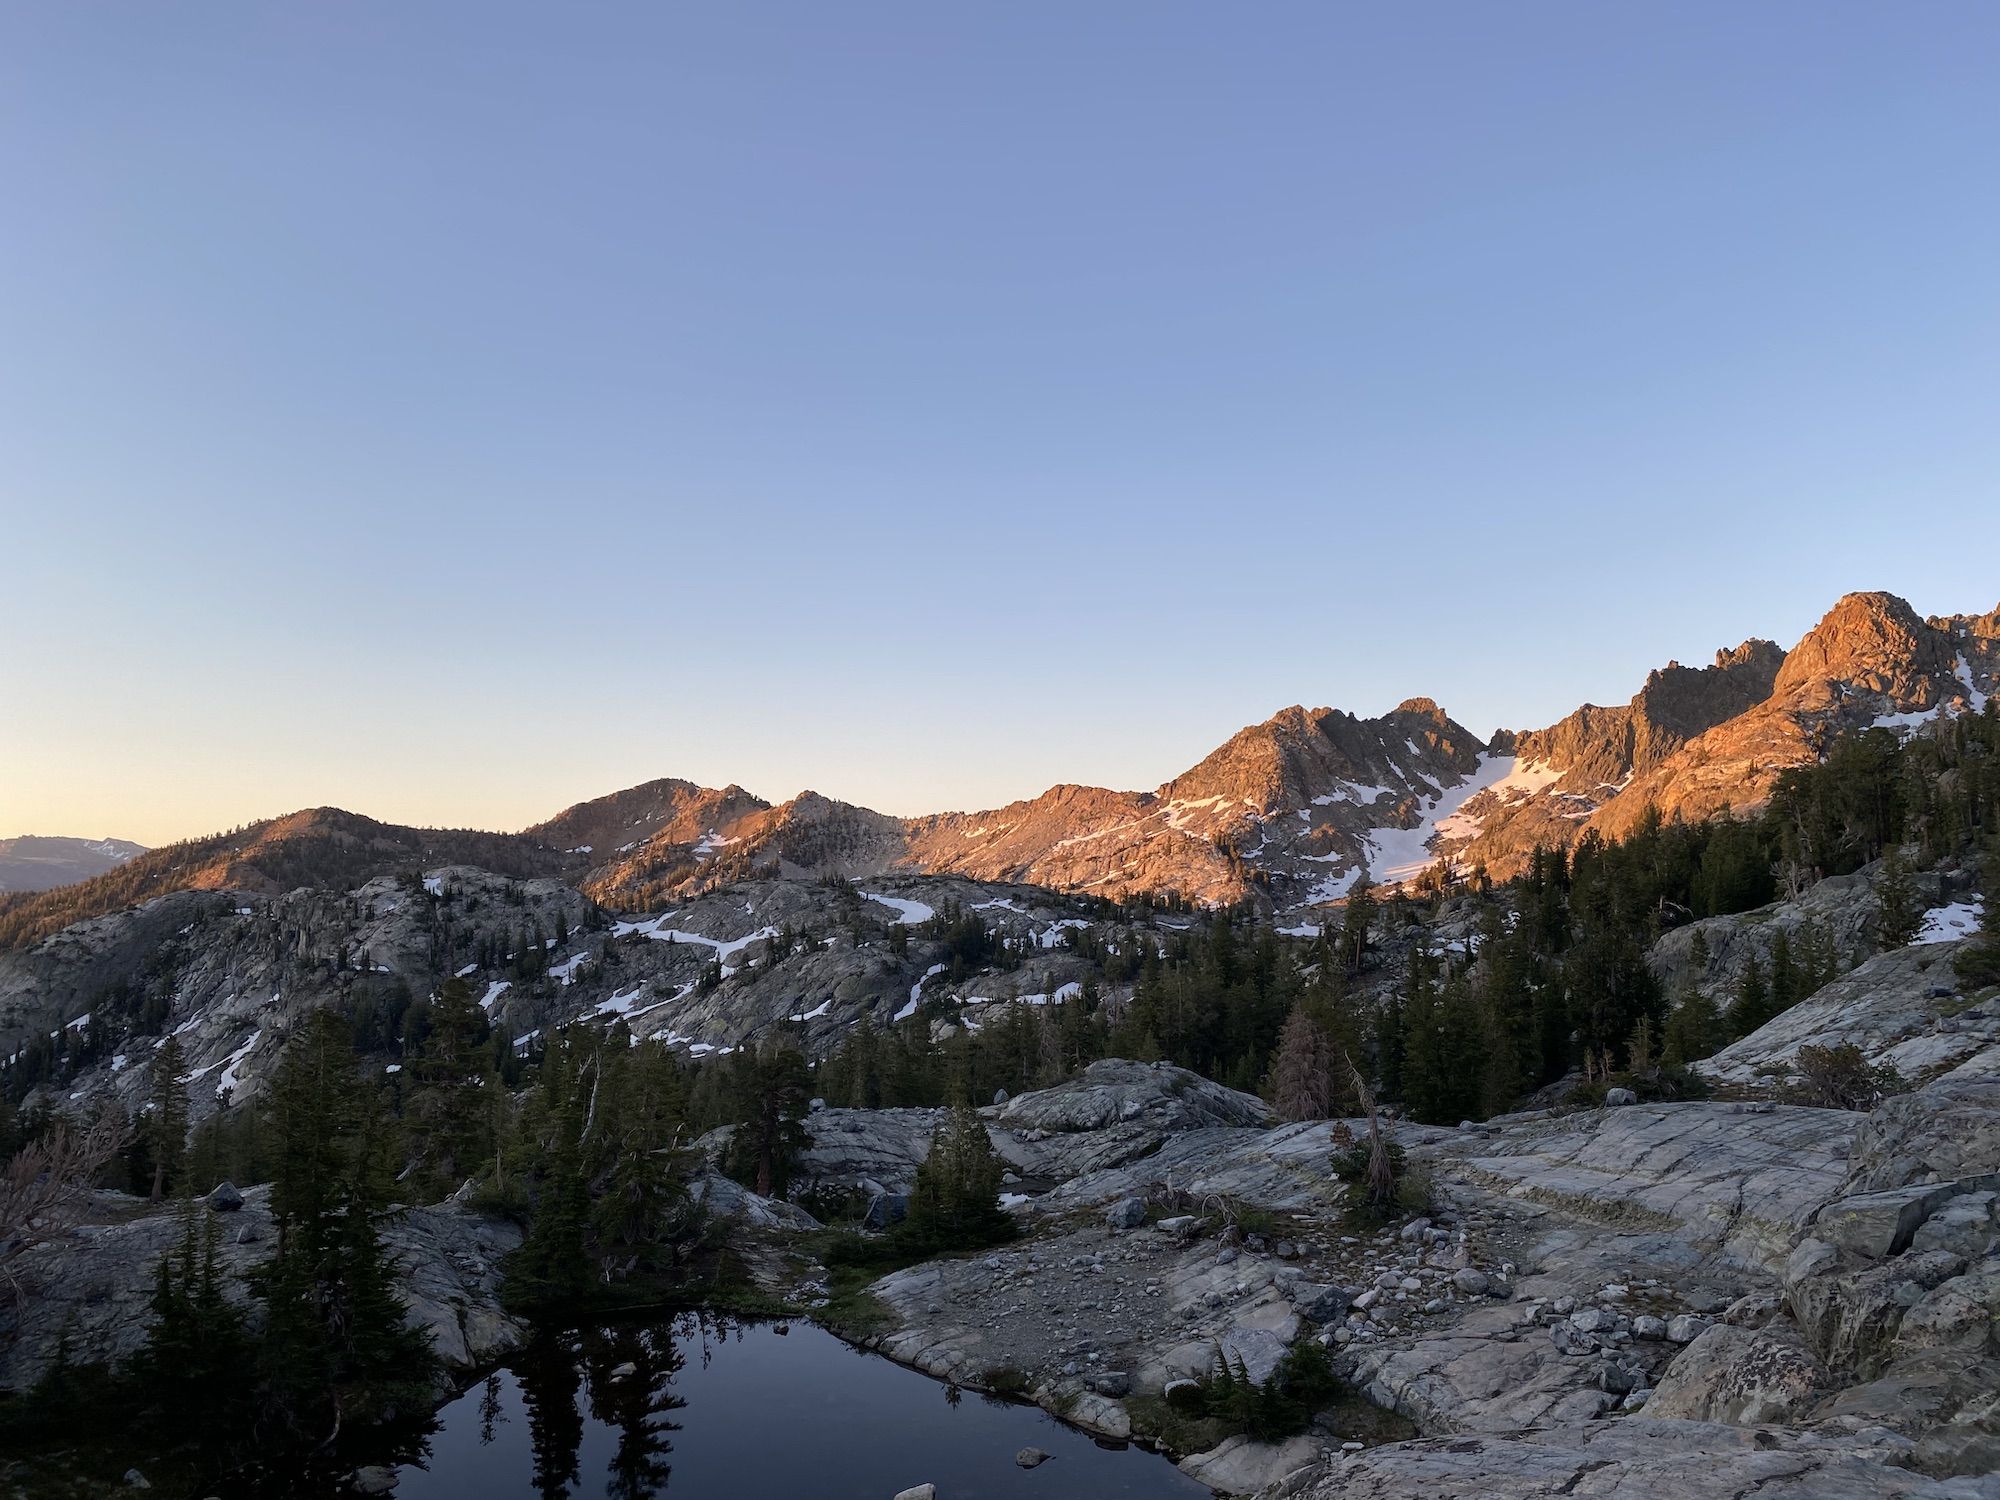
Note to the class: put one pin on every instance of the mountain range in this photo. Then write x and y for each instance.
(1291, 812)
(31, 863)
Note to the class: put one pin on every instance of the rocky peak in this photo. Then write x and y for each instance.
(1872, 643)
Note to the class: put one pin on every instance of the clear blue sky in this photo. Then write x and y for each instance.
(451, 411)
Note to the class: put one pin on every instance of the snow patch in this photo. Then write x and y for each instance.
(916, 993)
(1350, 791)
(1052, 935)
(1944, 924)
(908, 913)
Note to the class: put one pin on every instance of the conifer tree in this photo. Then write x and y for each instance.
(450, 1077)
(1354, 924)
(955, 1202)
(1692, 1030)
(1752, 1006)
(772, 1084)
(166, 1125)
(1898, 913)
(192, 1373)
(1302, 1075)
(335, 1339)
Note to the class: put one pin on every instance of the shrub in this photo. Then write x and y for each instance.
(1841, 1077)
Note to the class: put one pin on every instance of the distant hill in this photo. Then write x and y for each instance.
(322, 848)
(32, 863)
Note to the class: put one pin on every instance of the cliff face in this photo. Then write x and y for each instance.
(1590, 758)
(1872, 662)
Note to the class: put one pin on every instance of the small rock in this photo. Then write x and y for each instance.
(1028, 1458)
(1472, 1283)
(1113, 1383)
(1646, 1327)
(136, 1481)
(225, 1199)
(1752, 1309)
(1126, 1213)
(1000, 1096)
(1320, 1304)
(1685, 1329)
(1614, 1098)
(374, 1479)
(918, 1492)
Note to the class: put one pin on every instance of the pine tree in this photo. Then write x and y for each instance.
(772, 1084)
(955, 1202)
(1302, 1075)
(334, 1335)
(1354, 924)
(1898, 912)
(1692, 1030)
(167, 1119)
(449, 1075)
(1787, 983)
(1752, 1006)
(192, 1373)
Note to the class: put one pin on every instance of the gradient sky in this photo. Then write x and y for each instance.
(452, 411)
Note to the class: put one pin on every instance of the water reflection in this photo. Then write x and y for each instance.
(699, 1405)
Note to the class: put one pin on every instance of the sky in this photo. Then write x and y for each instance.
(454, 411)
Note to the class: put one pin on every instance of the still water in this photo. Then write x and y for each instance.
(699, 1408)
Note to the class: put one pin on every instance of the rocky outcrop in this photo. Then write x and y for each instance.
(1113, 1092)
(232, 974)
(1946, 1132)
(1740, 1376)
(1902, 1009)
(1689, 1263)
(1636, 1456)
(1734, 1179)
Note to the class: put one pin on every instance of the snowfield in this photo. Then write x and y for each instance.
(1399, 854)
